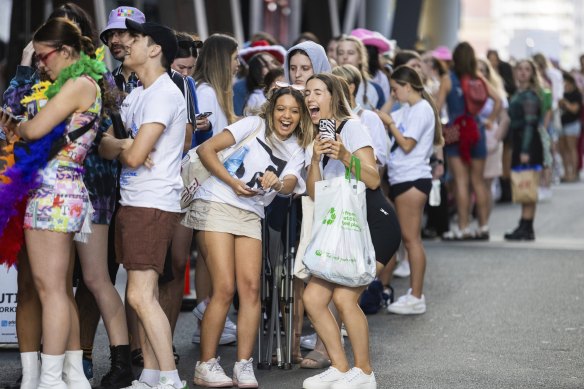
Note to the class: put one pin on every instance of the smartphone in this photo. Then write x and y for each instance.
(327, 129)
(203, 115)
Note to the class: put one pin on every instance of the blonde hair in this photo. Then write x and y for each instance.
(214, 67)
(363, 65)
(350, 74)
(340, 108)
(493, 77)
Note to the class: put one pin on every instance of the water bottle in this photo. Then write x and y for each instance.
(434, 198)
(132, 82)
(235, 161)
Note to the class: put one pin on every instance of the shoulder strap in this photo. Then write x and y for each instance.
(223, 156)
(64, 140)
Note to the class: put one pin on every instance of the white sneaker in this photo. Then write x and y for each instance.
(243, 375)
(408, 305)
(199, 311)
(323, 380)
(402, 270)
(227, 337)
(210, 374)
(169, 384)
(356, 379)
(308, 342)
(230, 327)
(138, 385)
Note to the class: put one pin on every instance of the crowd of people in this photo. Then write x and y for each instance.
(91, 179)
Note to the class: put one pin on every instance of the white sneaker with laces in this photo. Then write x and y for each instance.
(402, 270)
(169, 384)
(243, 375)
(226, 337)
(408, 305)
(323, 380)
(356, 379)
(210, 374)
(230, 327)
(308, 342)
(138, 385)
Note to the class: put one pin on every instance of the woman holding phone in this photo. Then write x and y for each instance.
(328, 159)
(227, 212)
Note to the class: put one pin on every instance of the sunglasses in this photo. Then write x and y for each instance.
(44, 57)
(282, 84)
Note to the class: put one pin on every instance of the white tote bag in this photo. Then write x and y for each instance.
(341, 250)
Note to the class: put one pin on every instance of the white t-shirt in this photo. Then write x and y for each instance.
(354, 137)
(284, 158)
(254, 102)
(372, 96)
(207, 100)
(160, 186)
(373, 123)
(416, 122)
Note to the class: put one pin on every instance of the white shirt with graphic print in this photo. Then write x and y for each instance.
(160, 186)
(284, 158)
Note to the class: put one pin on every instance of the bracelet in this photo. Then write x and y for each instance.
(281, 186)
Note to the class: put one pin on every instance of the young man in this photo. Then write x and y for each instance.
(150, 186)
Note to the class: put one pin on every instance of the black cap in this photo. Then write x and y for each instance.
(161, 35)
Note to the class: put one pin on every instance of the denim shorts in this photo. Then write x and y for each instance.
(572, 129)
(478, 151)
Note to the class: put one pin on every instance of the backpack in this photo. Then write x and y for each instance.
(475, 93)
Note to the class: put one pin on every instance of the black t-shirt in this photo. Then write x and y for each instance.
(573, 97)
(177, 78)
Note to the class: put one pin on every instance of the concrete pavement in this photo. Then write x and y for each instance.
(500, 315)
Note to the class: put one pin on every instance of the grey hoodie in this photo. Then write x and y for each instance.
(315, 52)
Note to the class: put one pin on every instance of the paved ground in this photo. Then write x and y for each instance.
(500, 315)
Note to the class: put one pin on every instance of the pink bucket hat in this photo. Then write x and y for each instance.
(442, 53)
(372, 38)
(117, 19)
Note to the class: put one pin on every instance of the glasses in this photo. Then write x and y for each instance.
(282, 84)
(44, 57)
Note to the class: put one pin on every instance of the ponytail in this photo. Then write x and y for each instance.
(438, 137)
(86, 45)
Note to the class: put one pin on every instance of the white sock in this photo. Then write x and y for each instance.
(166, 376)
(150, 377)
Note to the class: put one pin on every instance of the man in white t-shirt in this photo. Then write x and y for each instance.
(150, 186)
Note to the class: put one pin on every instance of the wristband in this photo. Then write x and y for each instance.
(281, 186)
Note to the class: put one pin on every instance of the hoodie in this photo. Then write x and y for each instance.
(315, 52)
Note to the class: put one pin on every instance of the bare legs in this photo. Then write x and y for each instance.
(409, 207)
(463, 175)
(93, 257)
(317, 296)
(231, 260)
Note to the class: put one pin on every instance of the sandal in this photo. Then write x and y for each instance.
(315, 360)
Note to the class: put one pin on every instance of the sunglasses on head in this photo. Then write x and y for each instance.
(282, 84)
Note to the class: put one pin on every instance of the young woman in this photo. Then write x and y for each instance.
(494, 136)
(216, 66)
(450, 93)
(570, 106)
(351, 50)
(525, 113)
(416, 129)
(75, 98)
(304, 60)
(325, 100)
(227, 212)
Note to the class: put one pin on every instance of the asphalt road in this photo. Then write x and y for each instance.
(500, 315)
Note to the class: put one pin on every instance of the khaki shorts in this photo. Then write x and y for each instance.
(218, 217)
(143, 236)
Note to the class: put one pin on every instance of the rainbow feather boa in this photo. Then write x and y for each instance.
(21, 174)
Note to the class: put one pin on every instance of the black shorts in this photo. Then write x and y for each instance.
(424, 185)
(383, 226)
